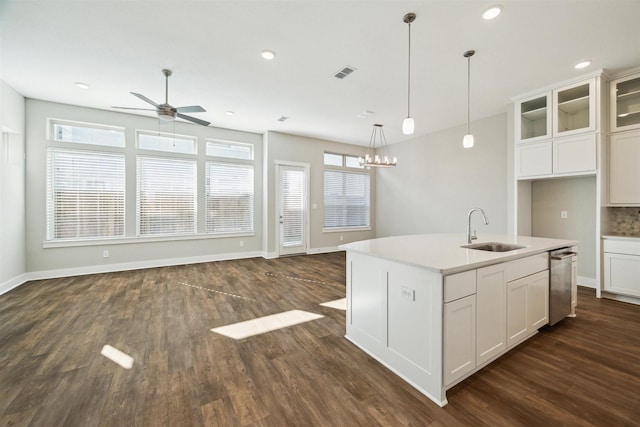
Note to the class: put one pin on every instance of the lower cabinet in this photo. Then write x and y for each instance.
(459, 338)
(527, 306)
(622, 267)
(491, 312)
(485, 311)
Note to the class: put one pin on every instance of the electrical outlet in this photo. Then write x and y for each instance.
(563, 214)
(241, 243)
(341, 238)
(407, 293)
(105, 254)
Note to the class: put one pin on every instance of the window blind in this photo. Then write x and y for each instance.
(85, 194)
(346, 199)
(166, 196)
(229, 197)
(292, 191)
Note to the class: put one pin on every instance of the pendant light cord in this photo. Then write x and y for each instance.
(468, 93)
(409, 76)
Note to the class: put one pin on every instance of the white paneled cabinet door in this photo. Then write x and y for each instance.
(491, 313)
(534, 159)
(459, 338)
(292, 209)
(538, 300)
(624, 173)
(574, 154)
(517, 310)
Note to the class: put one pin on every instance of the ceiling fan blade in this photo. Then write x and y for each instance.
(191, 109)
(193, 119)
(144, 98)
(130, 108)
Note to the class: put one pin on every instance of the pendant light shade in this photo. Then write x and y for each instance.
(378, 152)
(408, 125)
(467, 141)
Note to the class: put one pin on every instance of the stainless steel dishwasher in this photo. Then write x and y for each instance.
(560, 284)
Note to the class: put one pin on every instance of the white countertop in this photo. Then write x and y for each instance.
(442, 252)
(621, 236)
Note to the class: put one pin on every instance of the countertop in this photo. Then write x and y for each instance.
(442, 252)
(621, 236)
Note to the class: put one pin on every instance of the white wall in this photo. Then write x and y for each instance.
(48, 262)
(437, 182)
(577, 196)
(292, 148)
(12, 188)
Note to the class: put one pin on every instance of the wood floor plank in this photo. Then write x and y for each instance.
(580, 372)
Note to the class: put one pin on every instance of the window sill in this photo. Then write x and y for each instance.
(131, 240)
(343, 229)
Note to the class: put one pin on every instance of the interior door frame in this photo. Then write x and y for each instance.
(307, 228)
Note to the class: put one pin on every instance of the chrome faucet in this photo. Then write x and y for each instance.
(486, 222)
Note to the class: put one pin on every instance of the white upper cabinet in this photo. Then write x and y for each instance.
(625, 103)
(574, 108)
(533, 122)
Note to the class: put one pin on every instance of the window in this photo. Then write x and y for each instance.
(346, 199)
(166, 200)
(85, 194)
(229, 197)
(85, 133)
(344, 160)
(230, 150)
(169, 142)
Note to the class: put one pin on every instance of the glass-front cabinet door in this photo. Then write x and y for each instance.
(574, 108)
(625, 103)
(533, 121)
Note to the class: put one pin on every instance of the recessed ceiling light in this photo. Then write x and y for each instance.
(82, 85)
(229, 113)
(268, 54)
(492, 12)
(582, 64)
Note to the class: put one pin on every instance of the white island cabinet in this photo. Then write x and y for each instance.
(434, 312)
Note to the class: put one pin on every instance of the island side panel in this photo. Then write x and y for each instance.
(394, 313)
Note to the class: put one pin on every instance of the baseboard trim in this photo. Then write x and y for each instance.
(13, 283)
(138, 265)
(587, 282)
(324, 250)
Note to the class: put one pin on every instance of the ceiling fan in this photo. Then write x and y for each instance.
(167, 111)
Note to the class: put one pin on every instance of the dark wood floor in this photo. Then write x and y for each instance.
(581, 372)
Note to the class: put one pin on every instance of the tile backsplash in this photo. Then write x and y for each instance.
(624, 220)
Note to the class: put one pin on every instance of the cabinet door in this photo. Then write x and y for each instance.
(574, 154)
(574, 286)
(517, 310)
(459, 338)
(574, 108)
(491, 312)
(624, 173)
(538, 300)
(533, 118)
(625, 103)
(621, 273)
(533, 159)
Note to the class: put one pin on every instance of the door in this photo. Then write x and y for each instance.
(292, 209)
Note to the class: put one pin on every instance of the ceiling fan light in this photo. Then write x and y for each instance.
(166, 117)
(467, 141)
(408, 126)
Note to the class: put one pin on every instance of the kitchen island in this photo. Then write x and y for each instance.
(435, 312)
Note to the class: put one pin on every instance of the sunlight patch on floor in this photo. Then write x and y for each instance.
(340, 304)
(117, 356)
(265, 324)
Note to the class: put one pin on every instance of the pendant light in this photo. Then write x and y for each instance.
(408, 124)
(382, 159)
(467, 141)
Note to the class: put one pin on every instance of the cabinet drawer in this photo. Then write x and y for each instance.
(630, 247)
(526, 266)
(459, 285)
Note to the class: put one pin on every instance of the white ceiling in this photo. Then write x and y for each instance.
(213, 48)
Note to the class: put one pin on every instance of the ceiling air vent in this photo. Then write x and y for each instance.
(282, 118)
(344, 72)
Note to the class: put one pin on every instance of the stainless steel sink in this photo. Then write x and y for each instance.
(493, 247)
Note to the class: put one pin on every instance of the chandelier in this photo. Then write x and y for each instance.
(378, 143)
